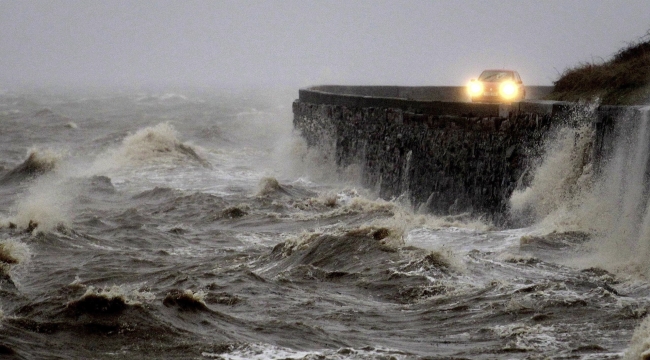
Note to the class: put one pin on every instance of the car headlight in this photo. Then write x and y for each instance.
(508, 89)
(475, 88)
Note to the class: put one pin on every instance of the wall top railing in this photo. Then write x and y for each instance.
(444, 100)
(433, 100)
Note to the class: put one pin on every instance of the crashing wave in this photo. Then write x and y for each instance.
(186, 300)
(233, 212)
(564, 175)
(37, 163)
(268, 186)
(12, 253)
(640, 345)
(342, 252)
(152, 144)
(45, 207)
(107, 301)
(611, 204)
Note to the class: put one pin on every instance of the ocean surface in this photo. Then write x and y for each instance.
(198, 225)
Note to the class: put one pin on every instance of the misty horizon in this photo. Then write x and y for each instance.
(289, 44)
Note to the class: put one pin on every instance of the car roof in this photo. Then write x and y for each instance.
(504, 70)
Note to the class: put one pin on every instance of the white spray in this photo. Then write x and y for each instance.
(613, 208)
(624, 244)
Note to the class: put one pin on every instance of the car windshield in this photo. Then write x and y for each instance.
(495, 75)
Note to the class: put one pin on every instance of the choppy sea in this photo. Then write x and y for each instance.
(198, 225)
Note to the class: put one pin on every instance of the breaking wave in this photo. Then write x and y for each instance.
(564, 174)
(611, 205)
(268, 186)
(38, 162)
(107, 301)
(378, 213)
(640, 344)
(271, 187)
(46, 206)
(152, 144)
(187, 300)
(12, 252)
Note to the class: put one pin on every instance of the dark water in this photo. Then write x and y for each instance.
(198, 226)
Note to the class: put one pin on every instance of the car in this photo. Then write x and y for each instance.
(497, 86)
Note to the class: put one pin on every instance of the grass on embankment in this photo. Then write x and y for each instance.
(623, 80)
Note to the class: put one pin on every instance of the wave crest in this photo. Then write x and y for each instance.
(108, 301)
(640, 344)
(268, 186)
(186, 300)
(152, 144)
(38, 162)
(46, 207)
(12, 253)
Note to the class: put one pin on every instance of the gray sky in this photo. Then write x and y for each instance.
(298, 43)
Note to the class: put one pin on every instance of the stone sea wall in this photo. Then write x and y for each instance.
(447, 157)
